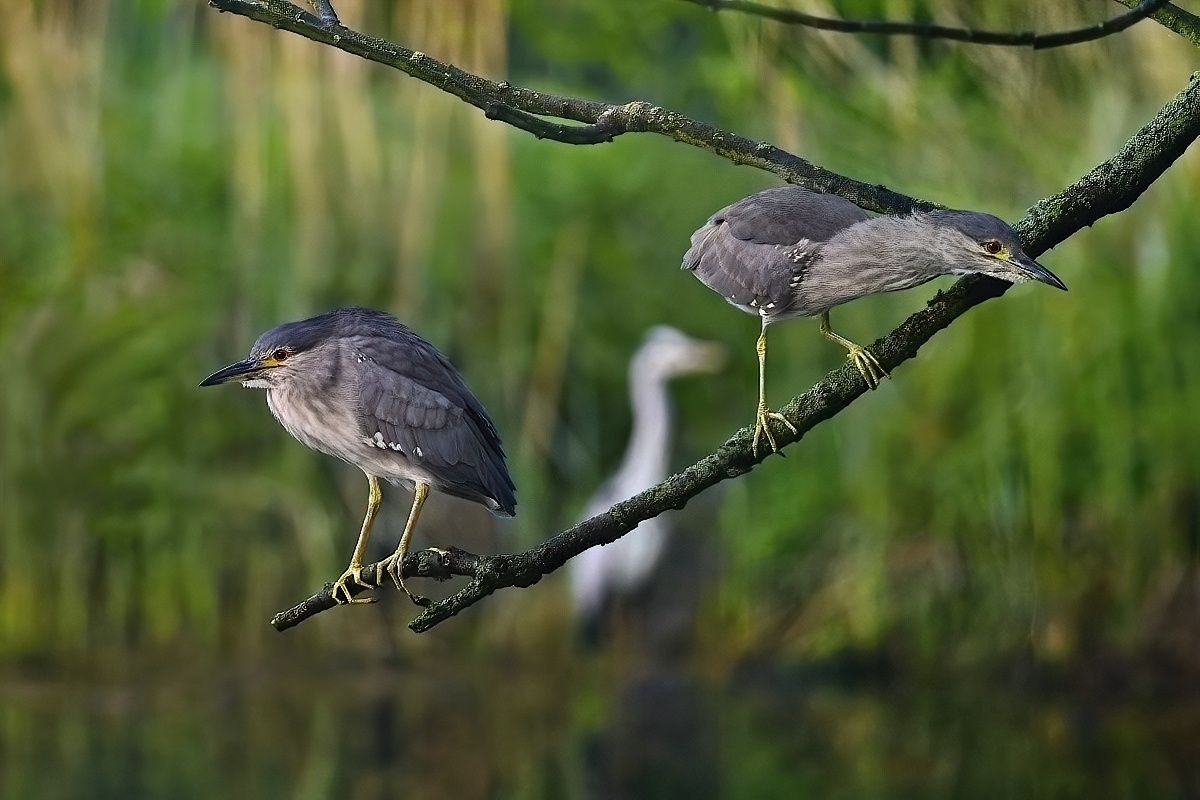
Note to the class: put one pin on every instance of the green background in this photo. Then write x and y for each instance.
(1018, 511)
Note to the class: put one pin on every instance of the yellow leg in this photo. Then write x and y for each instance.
(871, 370)
(762, 420)
(395, 562)
(354, 571)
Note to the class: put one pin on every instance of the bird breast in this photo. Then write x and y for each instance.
(315, 420)
(318, 420)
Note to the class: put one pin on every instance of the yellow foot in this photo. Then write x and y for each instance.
(392, 563)
(352, 573)
(871, 370)
(763, 426)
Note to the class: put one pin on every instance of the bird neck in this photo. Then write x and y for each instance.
(882, 254)
(646, 456)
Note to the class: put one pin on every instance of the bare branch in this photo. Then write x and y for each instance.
(527, 109)
(1173, 18)
(929, 30)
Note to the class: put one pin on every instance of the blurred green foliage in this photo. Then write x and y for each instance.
(174, 181)
(447, 733)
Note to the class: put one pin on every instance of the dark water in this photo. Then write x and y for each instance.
(534, 728)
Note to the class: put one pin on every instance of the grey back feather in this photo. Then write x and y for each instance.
(416, 400)
(755, 251)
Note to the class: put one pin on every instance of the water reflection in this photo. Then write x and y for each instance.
(512, 729)
(660, 740)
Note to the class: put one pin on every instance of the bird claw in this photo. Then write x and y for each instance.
(763, 426)
(868, 366)
(353, 572)
(393, 565)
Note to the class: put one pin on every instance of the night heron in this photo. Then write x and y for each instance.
(789, 252)
(619, 568)
(356, 384)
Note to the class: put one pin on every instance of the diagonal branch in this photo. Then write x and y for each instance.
(1111, 187)
(1174, 18)
(532, 111)
(929, 30)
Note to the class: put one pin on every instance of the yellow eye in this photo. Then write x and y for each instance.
(992, 247)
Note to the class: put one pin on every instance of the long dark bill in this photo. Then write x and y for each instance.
(239, 369)
(1037, 272)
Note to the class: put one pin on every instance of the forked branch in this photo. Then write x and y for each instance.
(1174, 18)
(582, 121)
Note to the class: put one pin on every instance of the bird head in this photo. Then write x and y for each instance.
(668, 352)
(980, 243)
(279, 355)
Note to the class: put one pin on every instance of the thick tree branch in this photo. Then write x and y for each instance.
(929, 30)
(1174, 18)
(1111, 187)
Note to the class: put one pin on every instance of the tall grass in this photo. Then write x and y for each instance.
(173, 181)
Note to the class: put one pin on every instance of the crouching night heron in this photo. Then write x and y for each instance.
(357, 384)
(790, 252)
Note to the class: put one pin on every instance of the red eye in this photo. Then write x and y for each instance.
(280, 355)
(992, 247)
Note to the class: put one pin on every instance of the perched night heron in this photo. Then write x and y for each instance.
(789, 252)
(357, 384)
(601, 573)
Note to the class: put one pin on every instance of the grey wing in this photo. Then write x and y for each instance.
(753, 252)
(413, 402)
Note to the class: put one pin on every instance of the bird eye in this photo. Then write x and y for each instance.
(992, 247)
(280, 354)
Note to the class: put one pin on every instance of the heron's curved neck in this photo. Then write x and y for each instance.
(646, 457)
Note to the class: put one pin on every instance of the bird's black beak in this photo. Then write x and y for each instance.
(1037, 272)
(235, 371)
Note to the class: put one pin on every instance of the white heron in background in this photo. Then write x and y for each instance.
(601, 574)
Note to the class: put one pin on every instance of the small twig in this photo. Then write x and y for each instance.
(1173, 18)
(929, 30)
(325, 12)
(568, 134)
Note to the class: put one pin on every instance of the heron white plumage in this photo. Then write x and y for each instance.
(620, 567)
